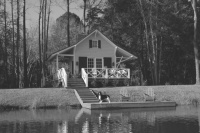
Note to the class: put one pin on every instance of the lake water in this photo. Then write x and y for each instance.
(182, 119)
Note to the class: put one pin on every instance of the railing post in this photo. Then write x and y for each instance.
(86, 81)
(129, 73)
(57, 63)
(106, 75)
(84, 76)
(82, 72)
(66, 79)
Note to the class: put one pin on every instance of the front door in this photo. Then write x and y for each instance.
(108, 62)
(82, 63)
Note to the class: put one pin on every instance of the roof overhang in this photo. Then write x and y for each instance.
(122, 52)
(60, 52)
(122, 55)
(69, 48)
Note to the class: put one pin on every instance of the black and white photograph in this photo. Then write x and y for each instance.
(99, 66)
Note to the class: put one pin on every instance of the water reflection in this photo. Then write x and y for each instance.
(183, 119)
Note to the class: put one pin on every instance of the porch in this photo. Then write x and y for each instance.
(104, 73)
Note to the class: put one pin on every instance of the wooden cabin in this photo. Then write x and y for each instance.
(95, 56)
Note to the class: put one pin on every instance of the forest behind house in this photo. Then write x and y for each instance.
(163, 34)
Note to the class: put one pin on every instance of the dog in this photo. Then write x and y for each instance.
(103, 98)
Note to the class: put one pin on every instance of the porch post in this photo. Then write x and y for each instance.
(57, 62)
(115, 56)
(74, 60)
(129, 73)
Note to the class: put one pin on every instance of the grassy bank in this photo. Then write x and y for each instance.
(59, 97)
(37, 98)
(181, 94)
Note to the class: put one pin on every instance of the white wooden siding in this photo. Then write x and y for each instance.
(83, 50)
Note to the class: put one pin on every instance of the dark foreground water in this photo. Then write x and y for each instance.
(183, 119)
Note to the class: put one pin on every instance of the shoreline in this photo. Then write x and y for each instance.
(58, 98)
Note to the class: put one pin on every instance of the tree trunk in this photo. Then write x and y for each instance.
(13, 43)
(44, 36)
(49, 11)
(5, 45)
(44, 41)
(40, 47)
(196, 53)
(146, 37)
(153, 70)
(24, 42)
(159, 61)
(84, 11)
(18, 42)
(68, 30)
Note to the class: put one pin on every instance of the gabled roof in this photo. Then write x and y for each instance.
(78, 43)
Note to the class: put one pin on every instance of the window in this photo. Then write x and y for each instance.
(99, 63)
(95, 62)
(94, 44)
(90, 62)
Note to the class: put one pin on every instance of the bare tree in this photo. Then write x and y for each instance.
(18, 42)
(43, 21)
(152, 39)
(84, 15)
(5, 43)
(48, 19)
(68, 29)
(13, 43)
(24, 42)
(196, 52)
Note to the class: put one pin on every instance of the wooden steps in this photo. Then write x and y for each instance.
(76, 83)
(84, 95)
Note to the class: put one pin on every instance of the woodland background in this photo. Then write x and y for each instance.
(163, 34)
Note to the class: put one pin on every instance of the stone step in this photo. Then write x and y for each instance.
(75, 79)
(90, 101)
(83, 85)
(83, 96)
(83, 90)
(89, 98)
(86, 95)
(76, 82)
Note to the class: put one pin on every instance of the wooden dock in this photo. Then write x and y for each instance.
(114, 105)
(88, 101)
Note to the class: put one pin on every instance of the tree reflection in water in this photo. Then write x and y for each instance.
(183, 119)
(63, 127)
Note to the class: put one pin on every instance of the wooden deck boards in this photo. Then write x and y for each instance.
(113, 105)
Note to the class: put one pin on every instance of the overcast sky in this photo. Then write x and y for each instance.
(58, 8)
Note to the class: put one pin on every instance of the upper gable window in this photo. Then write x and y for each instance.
(94, 44)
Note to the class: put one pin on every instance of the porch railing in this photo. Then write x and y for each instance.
(84, 76)
(107, 72)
